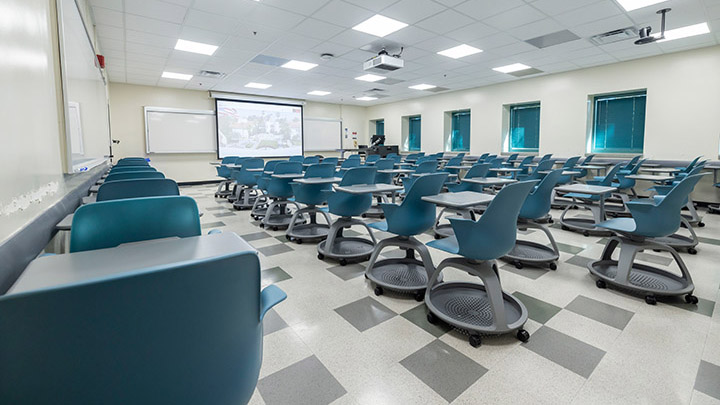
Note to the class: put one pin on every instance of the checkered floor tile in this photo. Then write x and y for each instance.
(334, 341)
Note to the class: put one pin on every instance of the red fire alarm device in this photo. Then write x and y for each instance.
(101, 61)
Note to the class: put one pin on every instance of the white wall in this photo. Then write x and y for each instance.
(128, 126)
(683, 105)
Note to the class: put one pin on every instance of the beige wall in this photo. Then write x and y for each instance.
(128, 126)
(682, 118)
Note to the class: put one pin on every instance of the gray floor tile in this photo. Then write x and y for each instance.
(530, 272)
(418, 316)
(305, 382)
(212, 225)
(274, 275)
(538, 310)
(580, 261)
(444, 369)
(224, 214)
(255, 236)
(573, 250)
(365, 313)
(708, 379)
(282, 239)
(275, 249)
(573, 354)
(348, 272)
(272, 322)
(218, 208)
(656, 259)
(703, 307)
(393, 253)
(603, 241)
(600, 311)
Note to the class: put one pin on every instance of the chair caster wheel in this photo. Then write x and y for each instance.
(701, 224)
(419, 296)
(343, 262)
(657, 250)
(475, 340)
(379, 291)
(321, 256)
(586, 233)
(431, 318)
(274, 228)
(382, 216)
(691, 299)
(518, 265)
(262, 225)
(550, 221)
(692, 251)
(552, 266)
(601, 284)
(298, 241)
(364, 215)
(564, 228)
(288, 237)
(523, 335)
(650, 300)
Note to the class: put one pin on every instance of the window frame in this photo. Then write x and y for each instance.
(406, 135)
(592, 123)
(452, 114)
(508, 148)
(380, 122)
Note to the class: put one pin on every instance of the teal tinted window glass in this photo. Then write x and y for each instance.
(380, 127)
(524, 128)
(413, 139)
(460, 135)
(619, 123)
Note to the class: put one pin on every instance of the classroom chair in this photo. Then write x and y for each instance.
(424, 166)
(454, 161)
(690, 166)
(245, 182)
(533, 212)
(651, 218)
(509, 161)
(296, 158)
(111, 223)
(183, 333)
(523, 166)
(375, 211)
(123, 169)
(330, 160)
(414, 216)
(311, 195)
(262, 201)
(693, 218)
(543, 166)
(280, 191)
(224, 172)
(588, 202)
(310, 160)
(134, 175)
(479, 243)
(569, 165)
(630, 164)
(346, 165)
(137, 188)
(346, 206)
(371, 159)
(587, 161)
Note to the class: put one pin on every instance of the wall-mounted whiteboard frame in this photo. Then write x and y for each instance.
(149, 110)
(331, 147)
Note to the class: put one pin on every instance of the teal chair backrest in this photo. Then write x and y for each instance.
(415, 216)
(281, 187)
(625, 183)
(384, 164)
(483, 157)
(320, 170)
(426, 166)
(477, 170)
(461, 155)
(132, 162)
(546, 157)
(137, 188)
(663, 218)
(631, 163)
(228, 160)
(134, 175)
(571, 162)
(245, 177)
(372, 158)
(186, 333)
(524, 164)
(123, 169)
(455, 161)
(349, 163)
(494, 163)
(111, 223)
(314, 194)
(264, 179)
(296, 158)
(493, 235)
(690, 166)
(347, 205)
(331, 160)
(537, 204)
(610, 176)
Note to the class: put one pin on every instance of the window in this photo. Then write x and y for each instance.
(380, 127)
(412, 142)
(619, 123)
(460, 132)
(524, 130)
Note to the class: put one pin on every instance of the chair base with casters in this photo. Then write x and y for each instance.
(223, 189)
(584, 225)
(375, 211)
(278, 215)
(300, 232)
(260, 207)
(478, 309)
(533, 253)
(681, 242)
(640, 278)
(406, 275)
(714, 209)
(345, 249)
(693, 217)
(246, 199)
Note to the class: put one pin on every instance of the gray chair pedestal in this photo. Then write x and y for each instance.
(678, 241)
(529, 252)
(277, 215)
(478, 309)
(584, 225)
(406, 275)
(445, 230)
(245, 198)
(343, 248)
(300, 232)
(220, 193)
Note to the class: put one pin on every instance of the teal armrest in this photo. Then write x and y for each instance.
(269, 297)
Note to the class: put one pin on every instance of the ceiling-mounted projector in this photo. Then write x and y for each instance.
(646, 38)
(384, 62)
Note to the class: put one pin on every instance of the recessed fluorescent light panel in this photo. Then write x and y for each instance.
(515, 67)
(684, 32)
(370, 78)
(195, 47)
(365, 98)
(319, 93)
(178, 76)
(379, 26)
(297, 65)
(422, 87)
(630, 5)
(262, 86)
(460, 51)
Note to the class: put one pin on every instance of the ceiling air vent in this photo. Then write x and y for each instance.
(212, 74)
(614, 36)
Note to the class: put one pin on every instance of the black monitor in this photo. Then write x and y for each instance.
(377, 140)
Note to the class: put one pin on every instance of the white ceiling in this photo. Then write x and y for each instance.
(137, 38)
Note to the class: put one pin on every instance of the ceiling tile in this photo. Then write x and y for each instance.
(555, 7)
(203, 36)
(601, 26)
(514, 18)
(108, 17)
(412, 11)
(471, 32)
(211, 22)
(273, 17)
(305, 7)
(344, 14)
(150, 39)
(318, 29)
(592, 12)
(374, 5)
(138, 23)
(230, 9)
(481, 9)
(156, 9)
(354, 39)
(445, 21)
(107, 31)
(537, 29)
(410, 35)
(116, 5)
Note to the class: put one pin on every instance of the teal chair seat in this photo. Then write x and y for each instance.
(137, 188)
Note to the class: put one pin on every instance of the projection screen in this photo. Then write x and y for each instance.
(247, 128)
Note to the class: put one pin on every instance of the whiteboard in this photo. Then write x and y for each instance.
(75, 125)
(171, 130)
(322, 134)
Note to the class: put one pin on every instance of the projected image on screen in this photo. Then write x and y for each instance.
(258, 129)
